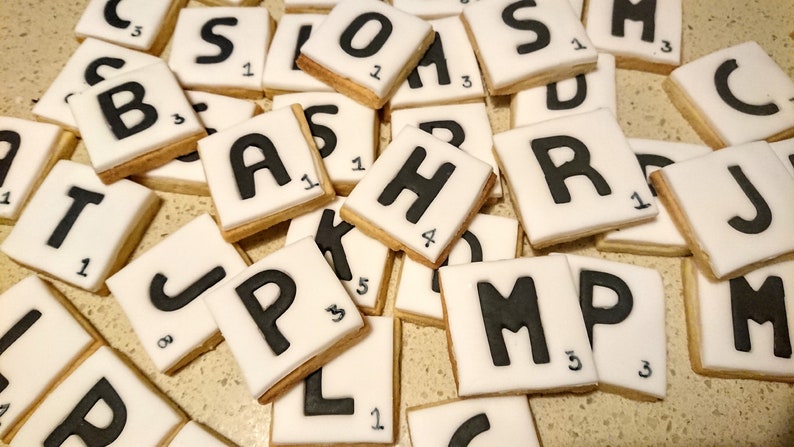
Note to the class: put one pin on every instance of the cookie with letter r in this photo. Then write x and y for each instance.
(79, 230)
(741, 327)
(264, 171)
(572, 177)
(365, 49)
(733, 207)
(133, 411)
(135, 122)
(499, 420)
(42, 337)
(143, 25)
(419, 196)
(721, 96)
(194, 434)
(515, 327)
(284, 317)
(359, 390)
(523, 43)
(785, 150)
(29, 150)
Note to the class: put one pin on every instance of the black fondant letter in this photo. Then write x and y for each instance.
(244, 174)
(763, 214)
(643, 11)
(469, 430)
(166, 303)
(113, 114)
(225, 45)
(588, 281)
(724, 90)
(578, 165)
(377, 42)
(433, 56)
(266, 318)
(539, 28)
(14, 140)
(82, 198)
(314, 404)
(329, 239)
(768, 303)
(13, 334)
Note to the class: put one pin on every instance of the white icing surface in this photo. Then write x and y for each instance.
(306, 324)
(249, 39)
(665, 45)
(561, 318)
(498, 237)
(370, 387)
(509, 418)
(465, 81)
(279, 75)
(785, 150)
(545, 221)
(446, 213)
(696, 79)
(635, 347)
(497, 42)
(52, 105)
(531, 106)
(291, 5)
(472, 118)
(97, 235)
(146, 19)
(710, 196)
(435, 9)
(365, 256)
(324, 48)
(283, 129)
(36, 358)
(354, 126)
(162, 92)
(194, 435)
(182, 262)
(150, 418)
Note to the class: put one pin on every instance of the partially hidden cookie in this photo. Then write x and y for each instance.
(309, 6)
(785, 150)
(194, 434)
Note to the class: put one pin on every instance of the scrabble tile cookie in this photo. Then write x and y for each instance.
(623, 309)
(419, 196)
(361, 263)
(733, 207)
(365, 49)
(281, 73)
(79, 230)
(465, 126)
(345, 132)
(29, 150)
(264, 171)
(785, 150)
(144, 25)
(545, 347)
(309, 6)
(572, 177)
(517, 49)
(447, 73)
(104, 401)
(221, 50)
(352, 400)
(185, 174)
(643, 35)
(93, 62)
(719, 94)
(162, 291)
(583, 93)
(742, 327)
(41, 337)
(505, 421)
(488, 238)
(284, 317)
(194, 434)
(135, 122)
(659, 236)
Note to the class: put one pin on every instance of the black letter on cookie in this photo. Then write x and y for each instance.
(643, 11)
(314, 404)
(724, 90)
(426, 189)
(763, 214)
(767, 304)
(225, 45)
(112, 17)
(541, 30)
(113, 114)
(647, 160)
(578, 165)
(266, 318)
(303, 35)
(324, 133)
(244, 174)
(433, 56)
(76, 424)
(588, 281)
(377, 42)
(329, 239)
(469, 430)
(13, 334)
(91, 73)
(82, 198)
(518, 310)
(476, 256)
(14, 140)
(553, 100)
(166, 303)
(458, 134)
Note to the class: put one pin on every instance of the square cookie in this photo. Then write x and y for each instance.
(162, 291)
(79, 230)
(419, 196)
(719, 94)
(733, 207)
(544, 348)
(344, 403)
(345, 132)
(573, 177)
(264, 171)
(361, 263)
(221, 50)
(135, 121)
(365, 49)
(785, 150)
(29, 150)
(284, 317)
(742, 327)
(517, 49)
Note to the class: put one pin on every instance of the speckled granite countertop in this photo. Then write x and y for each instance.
(36, 38)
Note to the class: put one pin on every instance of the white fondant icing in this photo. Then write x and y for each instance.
(785, 150)
(137, 23)
(303, 5)
(194, 435)
(436, 9)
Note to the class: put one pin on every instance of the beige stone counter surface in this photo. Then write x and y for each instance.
(36, 39)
